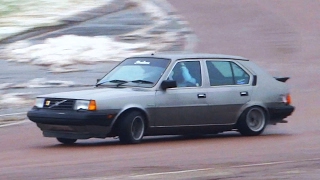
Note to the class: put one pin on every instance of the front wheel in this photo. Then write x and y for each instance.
(132, 127)
(66, 141)
(252, 122)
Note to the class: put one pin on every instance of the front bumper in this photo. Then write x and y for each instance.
(71, 117)
(73, 124)
(74, 132)
(280, 112)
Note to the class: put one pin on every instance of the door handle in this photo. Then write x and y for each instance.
(244, 93)
(202, 96)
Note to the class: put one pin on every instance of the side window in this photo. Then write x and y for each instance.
(226, 73)
(187, 74)
(240, 76)
(220, 73)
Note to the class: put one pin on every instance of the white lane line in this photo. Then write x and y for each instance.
(170, 172)
(239, 166)
(275, 163)
(12, 114)
(263, 164)
(15, 123)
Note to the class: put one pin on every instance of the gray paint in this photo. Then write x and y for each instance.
(181, 107)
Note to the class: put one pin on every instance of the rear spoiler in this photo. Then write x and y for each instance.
(282, 79)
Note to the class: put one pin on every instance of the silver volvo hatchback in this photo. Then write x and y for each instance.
(167, 94)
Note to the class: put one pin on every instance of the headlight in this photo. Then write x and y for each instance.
(85, 105)
(39, 102)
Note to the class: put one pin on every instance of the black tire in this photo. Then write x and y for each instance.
(132, 128)
(252, 122)
(66, 141)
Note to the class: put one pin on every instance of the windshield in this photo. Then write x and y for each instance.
(144, 72)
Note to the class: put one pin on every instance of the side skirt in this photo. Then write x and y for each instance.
(212, 129)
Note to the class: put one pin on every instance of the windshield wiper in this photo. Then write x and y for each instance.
(119, 82)
(142, 81)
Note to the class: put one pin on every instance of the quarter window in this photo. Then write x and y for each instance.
(240, 76)
(226, 73)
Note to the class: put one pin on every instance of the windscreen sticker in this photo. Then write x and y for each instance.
(142, 62)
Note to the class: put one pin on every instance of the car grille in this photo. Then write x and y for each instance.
(56, 103)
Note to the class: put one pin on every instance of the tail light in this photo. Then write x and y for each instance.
(287, 99)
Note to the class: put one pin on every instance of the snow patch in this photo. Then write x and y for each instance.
(40, 83)
(152, 9)
(14, 99)
(44, 83)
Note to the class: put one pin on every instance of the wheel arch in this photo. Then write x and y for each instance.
(250, 105)
(125, 111)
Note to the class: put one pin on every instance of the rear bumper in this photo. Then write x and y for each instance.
(280, 112)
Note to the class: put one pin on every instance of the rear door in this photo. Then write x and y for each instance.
(229, 90)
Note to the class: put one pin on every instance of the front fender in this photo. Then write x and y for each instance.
(128, 108)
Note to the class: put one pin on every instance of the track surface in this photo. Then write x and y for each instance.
(279, 35)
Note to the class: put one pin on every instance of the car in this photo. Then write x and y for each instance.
(167, 94)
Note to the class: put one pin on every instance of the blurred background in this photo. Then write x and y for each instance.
(49, 46)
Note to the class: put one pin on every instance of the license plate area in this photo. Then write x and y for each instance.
(61, 128)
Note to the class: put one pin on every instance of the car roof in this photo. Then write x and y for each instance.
(177, 56)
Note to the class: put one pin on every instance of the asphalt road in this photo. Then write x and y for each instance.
(279, 35)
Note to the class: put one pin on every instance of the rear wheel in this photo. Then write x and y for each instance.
(132, 127)
(252, 122)
(66, 141)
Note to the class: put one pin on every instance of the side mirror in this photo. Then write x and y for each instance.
(168, 84)
(98, 80)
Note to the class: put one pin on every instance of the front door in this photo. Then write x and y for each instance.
(186, 104)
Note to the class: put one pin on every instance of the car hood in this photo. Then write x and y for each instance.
(98, 93)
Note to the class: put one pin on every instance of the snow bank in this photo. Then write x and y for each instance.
(61, 52)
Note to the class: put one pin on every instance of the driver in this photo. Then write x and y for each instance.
(181, 74)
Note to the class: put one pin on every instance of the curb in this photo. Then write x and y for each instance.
(114, 6)
(18, 118)
(14, 123)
